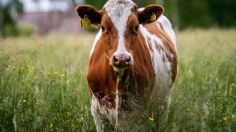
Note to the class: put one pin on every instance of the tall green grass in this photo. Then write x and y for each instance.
(204, 97)
(43, 84)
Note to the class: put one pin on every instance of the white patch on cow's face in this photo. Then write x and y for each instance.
(98, 36)
(119, 12)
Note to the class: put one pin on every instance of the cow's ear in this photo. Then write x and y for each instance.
(149, 13)
(89, 16)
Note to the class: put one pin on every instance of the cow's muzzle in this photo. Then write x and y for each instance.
(121, 60)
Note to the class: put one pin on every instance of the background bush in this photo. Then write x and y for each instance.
(19, 30)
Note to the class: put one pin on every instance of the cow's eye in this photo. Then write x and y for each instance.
(103, 29)
(135, 29)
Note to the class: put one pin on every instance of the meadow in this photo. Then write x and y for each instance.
(43, 83)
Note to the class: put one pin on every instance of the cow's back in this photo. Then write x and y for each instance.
(164, 23)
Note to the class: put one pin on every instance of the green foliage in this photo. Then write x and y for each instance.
(194, 13)
(202, 13)
(8, 13)
(96, 4)
(19, 30)
(142, 3)
(25, 30)
(43, 84)
(223, 12)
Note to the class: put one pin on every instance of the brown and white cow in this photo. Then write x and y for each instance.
(133, 62)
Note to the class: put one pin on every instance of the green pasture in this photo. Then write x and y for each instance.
(43, 84)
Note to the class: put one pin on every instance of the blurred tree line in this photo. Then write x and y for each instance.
(195, 13)
(201, 13)
(183, 14)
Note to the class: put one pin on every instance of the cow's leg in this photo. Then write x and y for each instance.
(101, 122)
(96, 114)
(162, 111)
(166, 104)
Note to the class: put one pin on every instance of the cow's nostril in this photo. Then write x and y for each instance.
(128, 58)
(115, 59)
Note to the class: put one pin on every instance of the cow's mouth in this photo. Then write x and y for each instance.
(119, 71)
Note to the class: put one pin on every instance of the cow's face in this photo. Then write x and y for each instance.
(119, 21)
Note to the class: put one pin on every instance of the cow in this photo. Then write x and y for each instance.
(133, 62)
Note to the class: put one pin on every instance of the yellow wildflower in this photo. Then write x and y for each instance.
(11, 66)
(51, 125)
(46, 74)
(55, 73)
(24, 100)
(225, 118)
(30, 68)
(62, 75)
(233, 116)
(151, 119)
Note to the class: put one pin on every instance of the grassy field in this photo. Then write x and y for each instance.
(43, 84)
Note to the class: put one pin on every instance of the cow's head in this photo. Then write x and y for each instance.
(119, 21)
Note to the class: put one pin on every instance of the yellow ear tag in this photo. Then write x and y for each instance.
(153, 17)
(85, 22)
